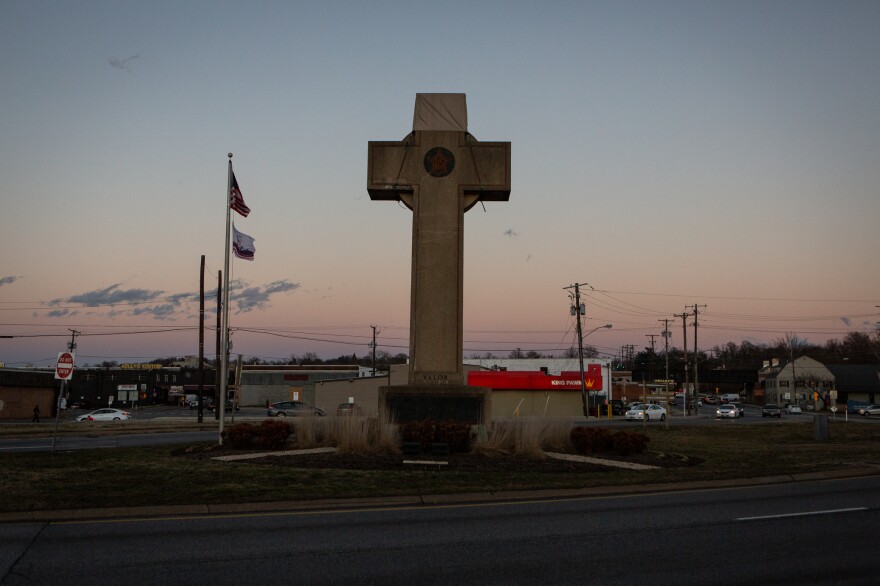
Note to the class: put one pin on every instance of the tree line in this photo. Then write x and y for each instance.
(854, 348)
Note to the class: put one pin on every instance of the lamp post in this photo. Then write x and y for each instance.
(581, 360)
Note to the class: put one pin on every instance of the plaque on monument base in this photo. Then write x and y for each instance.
(461, 403)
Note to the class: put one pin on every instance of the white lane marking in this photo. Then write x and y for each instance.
(805, 514)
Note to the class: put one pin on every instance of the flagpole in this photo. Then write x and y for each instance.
(224, 334)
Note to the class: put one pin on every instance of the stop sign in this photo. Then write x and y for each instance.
(64, 366)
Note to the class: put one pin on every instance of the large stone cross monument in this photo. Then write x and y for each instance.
(439, 171)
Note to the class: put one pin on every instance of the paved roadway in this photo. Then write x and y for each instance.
(795, 533)
(706, 416)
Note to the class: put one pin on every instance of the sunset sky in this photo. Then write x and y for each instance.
(724, 154)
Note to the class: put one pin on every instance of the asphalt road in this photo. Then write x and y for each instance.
(64, 443)
(794, 533)
(705, 416)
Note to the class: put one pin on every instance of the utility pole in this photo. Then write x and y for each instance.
(653, 355)
(578, 309)
(630, 353)
(684, 317)
(373, 345)
(696, 355)
(666, 333)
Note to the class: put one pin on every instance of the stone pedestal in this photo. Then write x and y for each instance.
(461, 403)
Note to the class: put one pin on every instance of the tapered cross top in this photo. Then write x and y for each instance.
(439, 171)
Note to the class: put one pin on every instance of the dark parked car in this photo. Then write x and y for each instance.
(617, 407)
(770, 410)
(293, 409)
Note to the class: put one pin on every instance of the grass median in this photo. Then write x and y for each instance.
(177, 475)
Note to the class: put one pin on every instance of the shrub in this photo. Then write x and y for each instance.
(426, 432)
(272, 434)
(457, 435)
(239, 436)
(590, 440)
(630, 442)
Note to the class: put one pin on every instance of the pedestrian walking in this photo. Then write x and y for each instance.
(36, 418)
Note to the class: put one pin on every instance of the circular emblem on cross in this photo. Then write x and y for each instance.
(439, 162)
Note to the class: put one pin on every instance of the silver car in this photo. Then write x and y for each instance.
(106, 414)
(649, 412)
(293, 409)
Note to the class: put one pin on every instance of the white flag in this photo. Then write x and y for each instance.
(242, 245)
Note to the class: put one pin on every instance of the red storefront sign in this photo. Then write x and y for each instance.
(535, 381)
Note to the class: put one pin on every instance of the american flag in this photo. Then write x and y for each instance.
(236, 201)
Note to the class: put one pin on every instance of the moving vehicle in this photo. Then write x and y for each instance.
(194, 403)
(727, 411)
(864, 410)
(771, 410)
(648, 412)
(730, 398)
(106, 414)
(740, 412)
(293, 409)
(872, 410)
(227, 405)
(792, 410)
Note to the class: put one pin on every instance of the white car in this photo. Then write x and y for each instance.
(872, 410)
(648, 412)
(106, 414)
(792, 409)
(727, 412)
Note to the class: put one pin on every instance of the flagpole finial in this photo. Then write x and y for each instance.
(230, 155)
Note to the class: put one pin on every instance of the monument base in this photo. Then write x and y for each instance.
(461, 403)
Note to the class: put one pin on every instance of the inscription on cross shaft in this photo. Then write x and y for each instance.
(439, 171)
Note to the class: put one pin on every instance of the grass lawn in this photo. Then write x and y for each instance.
(187, 475)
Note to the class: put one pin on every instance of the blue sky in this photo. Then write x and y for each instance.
(666, 153)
